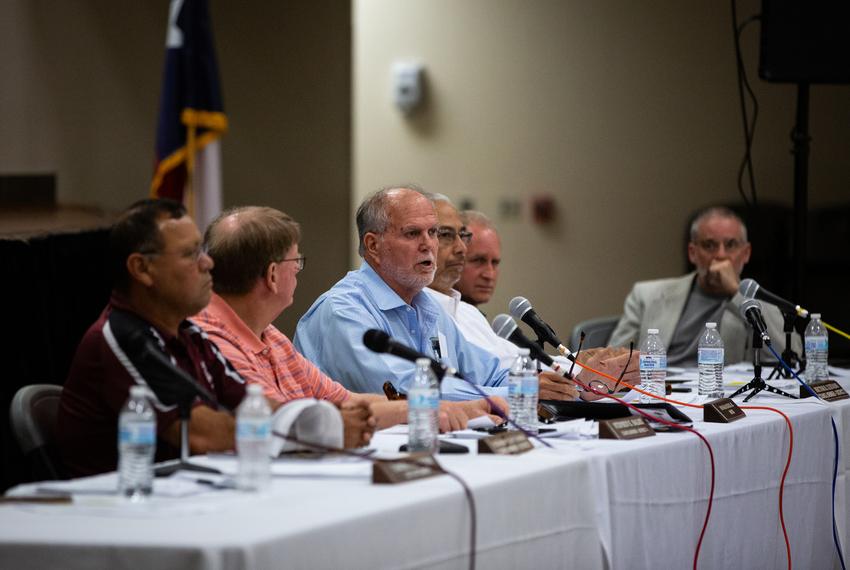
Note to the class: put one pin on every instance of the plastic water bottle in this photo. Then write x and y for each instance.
(817, 350)
(653, 367)
(710, 362)
(523, 387)
(423, 404)
(253, 440)
(136, 445)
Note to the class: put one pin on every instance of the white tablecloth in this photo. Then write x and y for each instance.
(585, 504)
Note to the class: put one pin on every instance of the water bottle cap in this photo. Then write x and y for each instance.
(523, 351)
(652, 331)
(711, 325)
(420, 362)
(255, 390)
(138, 391)
(816, 316)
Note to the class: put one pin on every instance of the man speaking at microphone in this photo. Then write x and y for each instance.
(679, 307)
(398, 231)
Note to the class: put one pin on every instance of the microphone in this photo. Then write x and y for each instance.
(505, 327)
(751, 289)
(751, 311)
(520, 307)
(171, 384)
(377, 340)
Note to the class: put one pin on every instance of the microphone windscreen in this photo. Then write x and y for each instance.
(503, 325)
(376, 340)
(519, 306)
(748, 288)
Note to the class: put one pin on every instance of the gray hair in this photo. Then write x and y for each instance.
(716, 212)
(470, 217)
(372, 214)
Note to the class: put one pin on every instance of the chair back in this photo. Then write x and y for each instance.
(32, 415)
(597, 332)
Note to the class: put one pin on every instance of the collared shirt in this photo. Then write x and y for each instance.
(270, 361)
(474, 326)
(330, 334)
(108, 361)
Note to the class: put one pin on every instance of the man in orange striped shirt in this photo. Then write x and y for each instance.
(256, 256)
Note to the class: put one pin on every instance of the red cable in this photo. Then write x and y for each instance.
(710, 451)
(676, 426)
(784, 473)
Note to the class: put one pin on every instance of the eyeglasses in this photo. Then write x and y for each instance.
(447, 236)
(194, 254)
(712, 246)
(599, 385)
(302, 261)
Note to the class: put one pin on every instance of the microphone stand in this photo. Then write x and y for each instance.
(184, 410)
(757, 384)
(788, 355)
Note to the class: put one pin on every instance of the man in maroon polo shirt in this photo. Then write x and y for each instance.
(162, 275)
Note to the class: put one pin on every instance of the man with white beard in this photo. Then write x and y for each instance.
(398, 228)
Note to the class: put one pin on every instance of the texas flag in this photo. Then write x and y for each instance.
(191, 115)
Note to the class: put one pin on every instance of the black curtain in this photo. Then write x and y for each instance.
(53, 288)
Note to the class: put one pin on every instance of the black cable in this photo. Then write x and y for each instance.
(749, 128)
(434, 467)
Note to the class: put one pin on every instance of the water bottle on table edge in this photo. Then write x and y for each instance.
(710, 362)
(423, 406)
(136, 445)
(253, 441)
(653, 367)
(817, 350)
(523, 388)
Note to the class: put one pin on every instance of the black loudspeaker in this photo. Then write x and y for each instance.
(806, 41)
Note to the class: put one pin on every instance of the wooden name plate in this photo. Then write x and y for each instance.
(828, 390)
(417, 466)
(721, 411)
(624, 428)
(505, 443)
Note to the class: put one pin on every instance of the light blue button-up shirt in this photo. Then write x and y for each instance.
(330, 334)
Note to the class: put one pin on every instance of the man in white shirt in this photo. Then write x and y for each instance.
(453, 238)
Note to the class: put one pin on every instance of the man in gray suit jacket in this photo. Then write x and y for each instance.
(680, 306)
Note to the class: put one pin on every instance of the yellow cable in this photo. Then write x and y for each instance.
(835, 330)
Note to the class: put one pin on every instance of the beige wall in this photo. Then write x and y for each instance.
(625, 112)
(79, 91)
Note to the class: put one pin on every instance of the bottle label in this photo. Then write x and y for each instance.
(529, 386)
(653, 362)
(710, 356)
(253, 430)
(817, 343)
(137, 434)
(423, 400)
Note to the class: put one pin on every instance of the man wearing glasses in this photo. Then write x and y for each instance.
(454, 237)
(679, 307)
(161, 277)
(398, 229)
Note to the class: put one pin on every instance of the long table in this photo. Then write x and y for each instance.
(582, 504)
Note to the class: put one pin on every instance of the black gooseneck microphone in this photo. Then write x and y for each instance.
(171, 384)
(752, 290)
(751, 311)
(521, 308)
(377, 340)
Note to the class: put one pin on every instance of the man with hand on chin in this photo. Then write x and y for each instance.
(679, 307)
